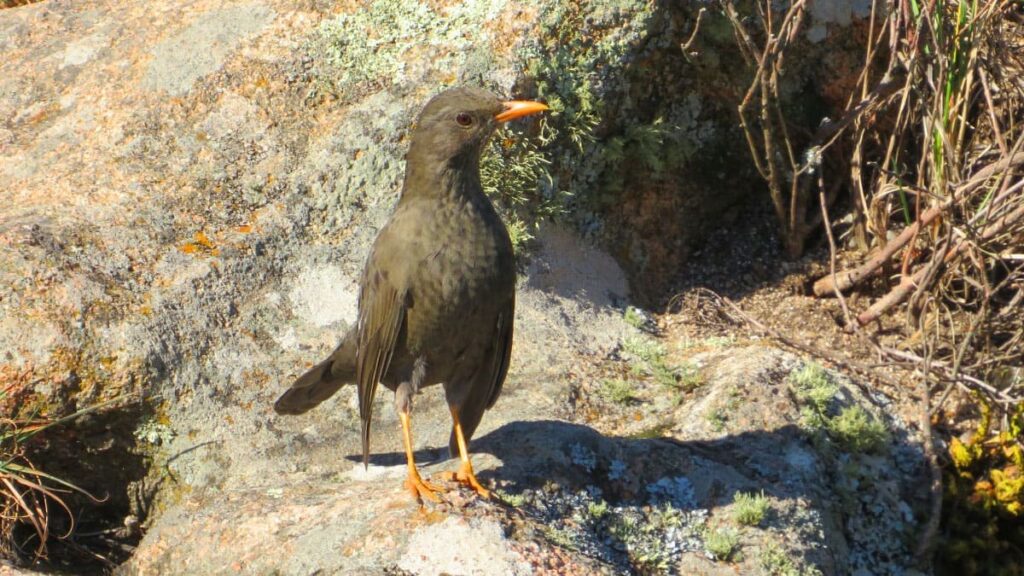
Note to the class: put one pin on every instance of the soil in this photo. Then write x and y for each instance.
(744, 262)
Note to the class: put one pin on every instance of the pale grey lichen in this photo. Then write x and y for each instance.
(677, 491)
(583, 457)
(154, 433)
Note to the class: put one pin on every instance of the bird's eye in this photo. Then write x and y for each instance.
(464, 119)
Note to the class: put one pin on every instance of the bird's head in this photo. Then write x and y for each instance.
(455, 124)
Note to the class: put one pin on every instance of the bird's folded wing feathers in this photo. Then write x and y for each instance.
(502, 350)
(382, 311)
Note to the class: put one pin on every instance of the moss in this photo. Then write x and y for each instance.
(750, 509)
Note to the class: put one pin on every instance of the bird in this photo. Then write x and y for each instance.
(437, 293)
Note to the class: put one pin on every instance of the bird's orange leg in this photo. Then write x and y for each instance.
(414, 483)
(465, 474)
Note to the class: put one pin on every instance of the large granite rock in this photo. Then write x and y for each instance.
(190, 191)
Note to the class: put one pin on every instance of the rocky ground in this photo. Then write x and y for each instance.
(191, 191)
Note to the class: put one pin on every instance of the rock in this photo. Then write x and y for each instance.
(582, 501)
(190, 193)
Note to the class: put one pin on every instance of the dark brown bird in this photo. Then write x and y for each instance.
(437, 295)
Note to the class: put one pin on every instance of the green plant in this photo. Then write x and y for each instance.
(597, 510)
(635, 317)
(854, 430)
(515, 172)
(642, 536)
(750, 509)
(563, 538)
(717, 418)
(983, 494)
(617, 391)
(722, 543)
(775, 561)
(648, 357)
(644, 349)
(812, 385)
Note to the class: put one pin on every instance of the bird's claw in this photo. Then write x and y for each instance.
(466, 477)
(421, 489)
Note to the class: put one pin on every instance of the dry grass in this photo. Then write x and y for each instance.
(931, 150)
(28, 495)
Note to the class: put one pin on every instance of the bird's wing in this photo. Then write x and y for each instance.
(381, 313)
(502, 350)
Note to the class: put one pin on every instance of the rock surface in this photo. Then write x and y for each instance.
(574, 500)
(190, 192)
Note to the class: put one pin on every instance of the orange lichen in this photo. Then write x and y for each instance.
(200, 244)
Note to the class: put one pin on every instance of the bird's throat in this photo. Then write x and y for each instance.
(430, 176)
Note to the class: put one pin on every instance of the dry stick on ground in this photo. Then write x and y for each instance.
(848, 279)
(903, 290)
(944, 373)
(738, 316)
(832, 248)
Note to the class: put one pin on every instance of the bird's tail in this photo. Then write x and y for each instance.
(313, 387)
(321, 381)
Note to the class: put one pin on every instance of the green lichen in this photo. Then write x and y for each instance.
(154, 432)
(642, 536)
(369, 47)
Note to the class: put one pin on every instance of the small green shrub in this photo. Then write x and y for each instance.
(750, 509)
(617, 391)
(722, 543)
(854, 430)
(717, 419)
(775, 561)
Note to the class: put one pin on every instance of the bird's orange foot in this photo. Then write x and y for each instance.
(421, 489)
(466, 477)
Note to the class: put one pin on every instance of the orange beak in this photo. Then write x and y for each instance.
(519, 108)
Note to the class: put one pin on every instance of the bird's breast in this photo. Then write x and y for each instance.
(466, 274)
